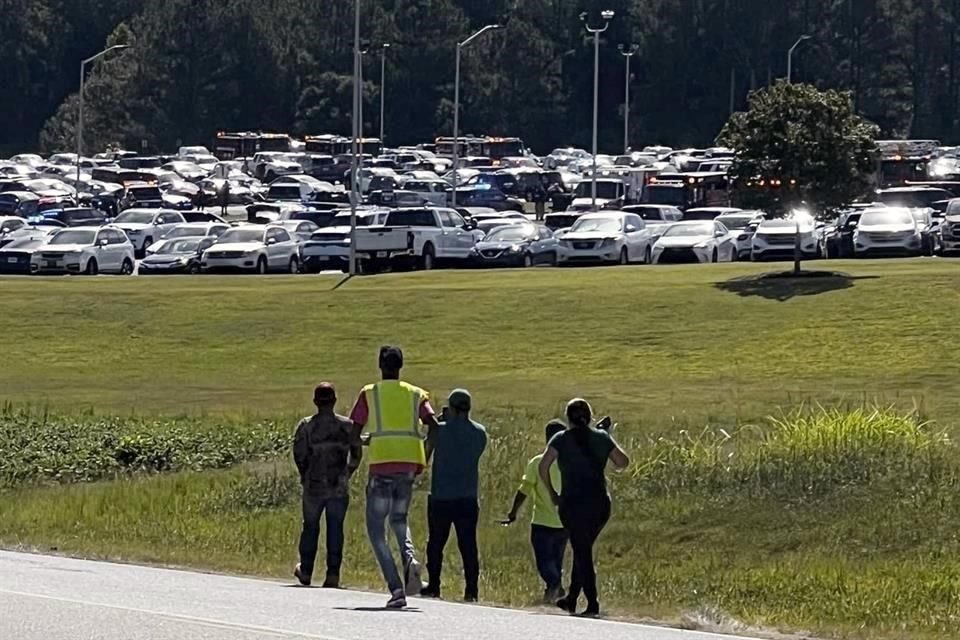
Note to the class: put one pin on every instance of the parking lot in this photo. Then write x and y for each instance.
(273, 204)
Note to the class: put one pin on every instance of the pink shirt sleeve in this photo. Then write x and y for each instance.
(426, 410)
(360, 413)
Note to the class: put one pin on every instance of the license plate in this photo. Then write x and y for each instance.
(381, 254)
(13, 260)
(52, 264)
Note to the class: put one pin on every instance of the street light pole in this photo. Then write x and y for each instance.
(607, 16)
(355, 160)
(383, 88)
(628, 53)
(790, 57)
(83, 65)
(363, 52)
(456, 107)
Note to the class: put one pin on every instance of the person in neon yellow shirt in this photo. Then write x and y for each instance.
(547, 535)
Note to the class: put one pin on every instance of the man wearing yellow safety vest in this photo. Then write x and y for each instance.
(394, 413)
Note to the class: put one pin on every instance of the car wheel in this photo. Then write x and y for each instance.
(716, 256)
(648, 255)
(527, 261)
(262, 266)
(428, 259)
(735, 255)
(554, 259)
(193, 269)
(294, 266)
(624, 256)
(92, 267)
(126, 269)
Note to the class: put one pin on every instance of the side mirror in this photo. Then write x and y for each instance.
(102, 242)
(271, 241)
(719, 234)
(630, 228)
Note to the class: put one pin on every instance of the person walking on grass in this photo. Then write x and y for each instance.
(327, 451)
(454, 491)
(581, 452)
(547, 535)
(394, 412)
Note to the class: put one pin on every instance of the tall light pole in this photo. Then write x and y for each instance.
(83, 65)
(607, 16)
(628, 52)
(383, 88)
(790, 57)
(363, 52)
(456, 107)
(355, 160)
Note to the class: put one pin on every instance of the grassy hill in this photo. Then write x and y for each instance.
(841, 522)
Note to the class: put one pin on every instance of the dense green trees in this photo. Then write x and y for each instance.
(203, 65)
(797, 146)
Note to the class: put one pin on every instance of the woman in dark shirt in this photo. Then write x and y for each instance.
(581, 453)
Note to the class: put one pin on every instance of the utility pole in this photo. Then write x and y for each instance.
(607, 16)
(628, 52)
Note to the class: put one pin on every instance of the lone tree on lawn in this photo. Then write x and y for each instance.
(799, 146)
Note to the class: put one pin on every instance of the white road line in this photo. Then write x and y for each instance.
(208, 622)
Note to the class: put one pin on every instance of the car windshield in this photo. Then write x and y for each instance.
(785, 223)
(241, 235)
(511, 233)
(735, 222)
(186, 232)
(603, 225)
(693, 229)
(886, 217)
(188, 245)
(135, 217)
(24, 244)
(74, 236)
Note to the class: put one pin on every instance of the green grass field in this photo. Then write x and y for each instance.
(841, 525)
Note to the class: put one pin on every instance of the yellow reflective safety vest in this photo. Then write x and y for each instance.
(394, 424)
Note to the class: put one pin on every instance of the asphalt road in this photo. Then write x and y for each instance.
(48, 598)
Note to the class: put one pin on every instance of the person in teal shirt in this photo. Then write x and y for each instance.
(454, 494)
(547, 534)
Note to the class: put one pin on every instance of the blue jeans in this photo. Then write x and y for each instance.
(388, 498)
(549, 546)
(313, 509)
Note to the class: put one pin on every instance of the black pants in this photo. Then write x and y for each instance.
(313, 509)
(549, 546)
(463, 515)
(584, 519)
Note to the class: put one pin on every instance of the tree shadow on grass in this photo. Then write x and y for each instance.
(785, 285)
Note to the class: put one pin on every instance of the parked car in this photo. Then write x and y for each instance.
(329, 247)
(838, 237)
(708, 213)
(300, 230)
(176, 255)
(436, 191)
(743, 225)
(190, 230)
(517, 245)
(143, 226)
(484, 197)
(416, 237)
(607, 236)
(695, 241)
(19, 203)
(254, 248)
(9, 224)
(85, 250)
(75, 217)
(776, 240)
(16, 256)
(889, 231)
(949, 229)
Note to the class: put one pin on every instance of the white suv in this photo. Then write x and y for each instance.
(888, 231)
(144, 226)
(86, 250)
(257, 248)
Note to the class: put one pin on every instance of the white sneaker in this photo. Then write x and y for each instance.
(397, 601)
(413, 577)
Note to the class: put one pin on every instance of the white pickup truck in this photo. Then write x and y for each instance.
(415, 238)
